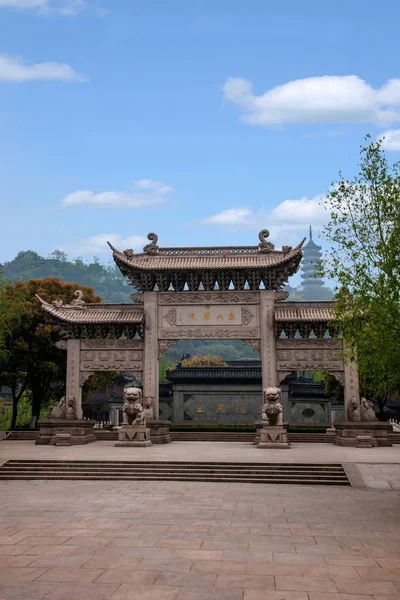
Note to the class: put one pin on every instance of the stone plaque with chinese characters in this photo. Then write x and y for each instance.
(209, 315)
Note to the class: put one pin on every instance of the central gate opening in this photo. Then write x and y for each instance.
(211, 382)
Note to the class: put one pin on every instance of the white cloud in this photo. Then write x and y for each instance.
(231, 219)
(147, 193)
(392, 139)
(67, 8)
(326, 99)
(97, 244)
(286, 222)
(13, 69)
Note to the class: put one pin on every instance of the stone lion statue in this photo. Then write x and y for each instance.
(272, 409)
(133, 413)
(355, 413)
(59, 409)
(367, 410)
(148, 409)
(71, 408)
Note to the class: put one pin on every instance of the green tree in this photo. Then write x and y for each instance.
(163, 366)
(32, 361)
(364, 232)
(97, 381)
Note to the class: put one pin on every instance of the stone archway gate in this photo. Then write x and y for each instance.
(219, 293)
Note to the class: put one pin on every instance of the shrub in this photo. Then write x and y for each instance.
(204, 361)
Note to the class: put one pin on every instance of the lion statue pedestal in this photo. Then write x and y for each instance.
(134, 431)
(273, 433)
(62, 428)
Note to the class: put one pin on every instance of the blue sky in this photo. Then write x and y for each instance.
(202, 120)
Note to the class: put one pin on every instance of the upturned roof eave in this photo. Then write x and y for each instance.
(73, 315)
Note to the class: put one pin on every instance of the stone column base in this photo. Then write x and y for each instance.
(55, 432)
(273, 436)
(348, 431)
(259, 426)
(137, 436)
(159, 432)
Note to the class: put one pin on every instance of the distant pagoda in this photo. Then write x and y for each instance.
(313, 287)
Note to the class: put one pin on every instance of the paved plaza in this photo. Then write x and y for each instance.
(198, 541)
(68, 540)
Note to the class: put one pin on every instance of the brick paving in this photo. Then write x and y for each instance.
(384, 476)
(68, 540)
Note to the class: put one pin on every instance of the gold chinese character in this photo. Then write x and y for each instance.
(207, 316)
(232, 316)
(191, 316)
(220, 408)
(240, 408)
(220, 317)
(200, 408)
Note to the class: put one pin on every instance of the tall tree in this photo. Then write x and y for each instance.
(364, 232)
(32, 360)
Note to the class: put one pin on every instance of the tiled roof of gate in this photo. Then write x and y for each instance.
(196, 258)
(95, 313)
(304, 311)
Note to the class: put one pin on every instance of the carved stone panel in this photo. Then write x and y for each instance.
(163, 346)
(85, 376)
(209, 333)
(310, 354)
(284, 344)
(117, 344)
(255, 344)
(230, 297)
(111, 360)
(207, 315)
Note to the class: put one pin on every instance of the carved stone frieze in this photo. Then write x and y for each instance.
(84, 376)
(110, 344)
(163, 346)
(178, 298)
(255, 344)
(282, 375)
(285, 344)
(339, 375)
(209, 333)
(247, 316)
(170, 316)
(316, 359)
(111, 360)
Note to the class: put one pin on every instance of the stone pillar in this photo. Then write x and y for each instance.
(115, 417)
(73, 387)
(150, 359)
(268, 345)
(351, 386)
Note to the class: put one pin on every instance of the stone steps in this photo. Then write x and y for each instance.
(316, 474)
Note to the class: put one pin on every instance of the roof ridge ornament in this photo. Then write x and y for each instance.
(265, 246)
(77, 303)
(151, 248)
